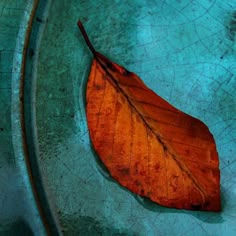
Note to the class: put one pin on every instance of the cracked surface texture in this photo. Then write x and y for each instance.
(184, 50)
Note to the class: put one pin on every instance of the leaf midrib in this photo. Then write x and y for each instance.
(159, 138)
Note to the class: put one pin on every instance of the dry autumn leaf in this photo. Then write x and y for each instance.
(149, 146)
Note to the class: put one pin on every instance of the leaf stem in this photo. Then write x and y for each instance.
(86, 38)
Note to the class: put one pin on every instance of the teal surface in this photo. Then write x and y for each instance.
(18, 212)
(183, 50)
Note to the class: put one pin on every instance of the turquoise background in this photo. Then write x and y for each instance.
(183, 50)
(18, 212)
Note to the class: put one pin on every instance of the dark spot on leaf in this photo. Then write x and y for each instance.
(1, 129)
(196, 207)
(98, 87)
(109, 65)
(207, 204)
(126, 72)
(137, 183)
(165, 148)
(157, 167)
(124, 171)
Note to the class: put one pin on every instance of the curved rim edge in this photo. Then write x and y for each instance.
(24, 149)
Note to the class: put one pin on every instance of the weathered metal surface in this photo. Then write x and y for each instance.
(19, 211)
(184, 51)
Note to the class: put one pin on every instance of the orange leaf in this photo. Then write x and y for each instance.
(149, 146)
